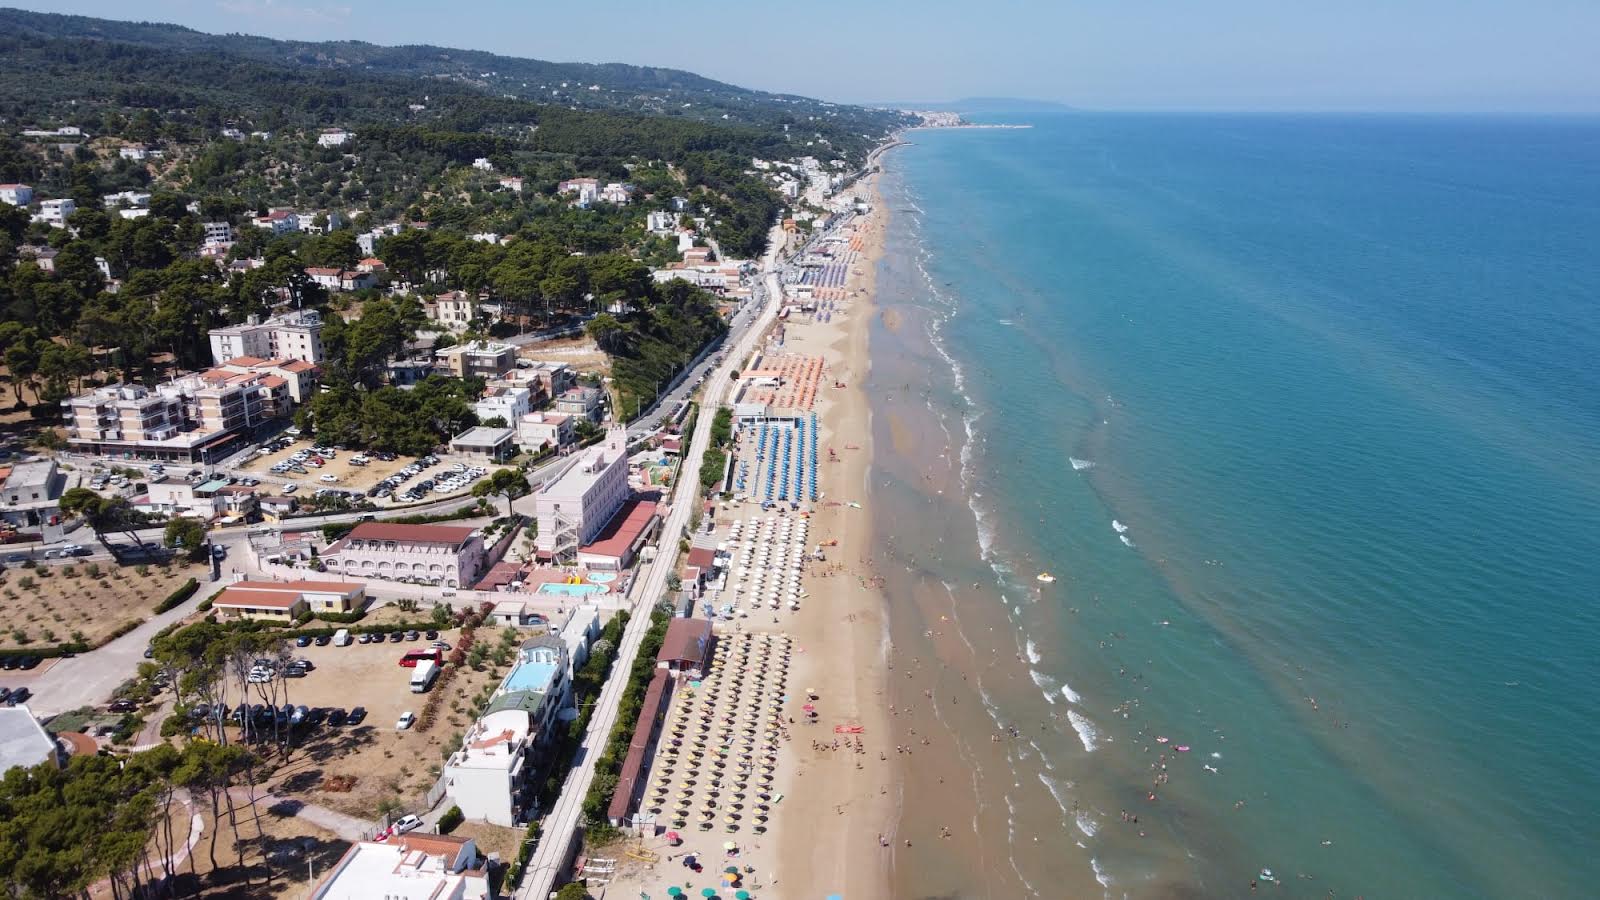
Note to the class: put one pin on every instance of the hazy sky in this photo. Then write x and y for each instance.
(1423, 55)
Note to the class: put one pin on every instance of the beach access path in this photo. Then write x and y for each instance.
(551, 858)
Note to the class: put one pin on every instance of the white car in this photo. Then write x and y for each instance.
(331, 479)
(407, 719)
(290, 488)
(405, 824)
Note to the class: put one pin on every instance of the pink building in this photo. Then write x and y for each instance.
(445, 555)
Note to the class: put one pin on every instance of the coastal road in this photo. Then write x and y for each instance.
(561, 823)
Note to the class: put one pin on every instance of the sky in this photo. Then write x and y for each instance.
(1346, 55)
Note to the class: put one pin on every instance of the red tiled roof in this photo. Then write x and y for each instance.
(341, 587)
(245, 361)
(257, 599)
(453, 535)
(297, 365)
(623, 529)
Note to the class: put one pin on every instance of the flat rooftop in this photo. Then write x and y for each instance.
(23, 741)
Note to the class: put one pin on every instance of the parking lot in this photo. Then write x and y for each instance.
(311, 468)
(372, 759)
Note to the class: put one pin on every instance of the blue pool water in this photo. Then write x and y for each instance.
(571, 590)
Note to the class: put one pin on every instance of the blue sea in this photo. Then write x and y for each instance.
(1303, 415)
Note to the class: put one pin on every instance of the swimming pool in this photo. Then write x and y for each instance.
(571, 590)
(602, 577)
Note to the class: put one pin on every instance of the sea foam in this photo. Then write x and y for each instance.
(1087, 733)
(1124, 538)
(1079, 465)
(1070, 694)
(1045, 685)
(1118, 527)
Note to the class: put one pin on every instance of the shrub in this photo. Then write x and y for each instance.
(184, 592)
(27, 583)
(451, 818)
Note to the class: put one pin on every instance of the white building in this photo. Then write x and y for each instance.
(540, 430)
(482, 164)
(294, 335)
(413, 866)
(136, 152)
(278, 221)
(660, 222)
(587, 191)
(512, 183)
(616, 192)
(506, 401)
(217, 232)
(454, 310)
(488, 776)
(16, 194)
(446, 555)
(334, 137)
(368, 240)
(55, 212)
(580, 631)
(576, 506)
(24, 742)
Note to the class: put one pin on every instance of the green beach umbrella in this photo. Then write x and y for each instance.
(674, 891)
(742, 895)
(732, 870)
(708, 892)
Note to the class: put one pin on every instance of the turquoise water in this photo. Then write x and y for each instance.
(1304, 413)
(602, 577)
(571, 590)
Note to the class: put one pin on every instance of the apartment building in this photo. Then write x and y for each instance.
(293, 335)
(489, 776)
(542, 430)
(576, 506)
(482, 359)
(192, 418)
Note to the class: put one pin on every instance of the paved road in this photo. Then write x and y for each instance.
(550, 859)
(88, 680)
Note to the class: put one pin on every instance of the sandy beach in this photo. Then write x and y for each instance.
(832, 822)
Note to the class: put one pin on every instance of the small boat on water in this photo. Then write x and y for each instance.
(1045, 578)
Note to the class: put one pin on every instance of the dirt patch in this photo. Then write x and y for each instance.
(493, 840)
(50, 604)
(581, 354)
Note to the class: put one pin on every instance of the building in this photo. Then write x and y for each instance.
(126, 198)
(581, 630)
(175, 497)
(483, 164)
(660, 222)
(135, 152)
(24, 742)
(483, 359)
(512, 183)
(218, 232)
(29, 497)
(503, 400)
(616, 192)
(411, 866)
(489, 776)
(293, 335)
(334, 137)
(335, 279)
(538, 431)
(620, 542)
(16, 194)
(574, 507)
(548, 379)
(585, 191)
(406, 372)
(299, 376)
(486, 444)
(583, 402)
(686, 647)
(280, 599)
(260, 606)
(455, 310)
(192, 418)
(55, 212)
(278, 221)
(646, 732)
(444, 555)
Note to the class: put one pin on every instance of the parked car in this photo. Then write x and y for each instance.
(330, 479)
(5, 694)
(337, 717)
(303, 640)
(290, 488)
(413, 635)
(407, 719)
(29, 662)
(395, 637)
(358, 715)
(21, 695)
(432, 635)
(363, 638)
(324, 640)
(11, 662)
(439, 645)
(118, 706)
(406, 823)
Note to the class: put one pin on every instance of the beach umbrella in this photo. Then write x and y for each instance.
(730, 846)
(741, 895)
(708, 892)
(674, 891)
